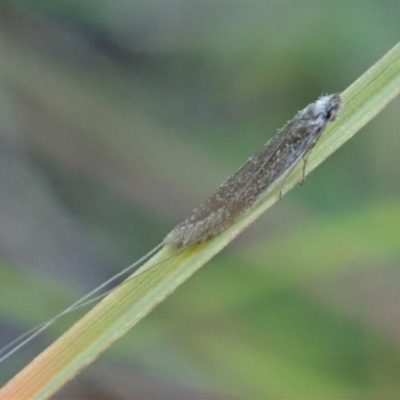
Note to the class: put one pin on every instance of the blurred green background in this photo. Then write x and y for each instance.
(117, 118)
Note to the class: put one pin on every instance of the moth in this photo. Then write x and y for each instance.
(259, 174)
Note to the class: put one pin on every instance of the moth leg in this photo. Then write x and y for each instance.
(303, 176)
(284, 180)
(281, 189)
(305, 159)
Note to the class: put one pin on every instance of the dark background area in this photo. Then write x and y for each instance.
(117, 118)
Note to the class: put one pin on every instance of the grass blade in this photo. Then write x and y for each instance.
(124, 307)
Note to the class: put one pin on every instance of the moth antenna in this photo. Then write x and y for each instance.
(28, 336)
(101, 296)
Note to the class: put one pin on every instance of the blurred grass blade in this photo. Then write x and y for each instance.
(123, 308)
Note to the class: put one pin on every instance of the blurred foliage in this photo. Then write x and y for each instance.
(118, 118)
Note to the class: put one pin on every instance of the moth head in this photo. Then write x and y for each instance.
(328, 107)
